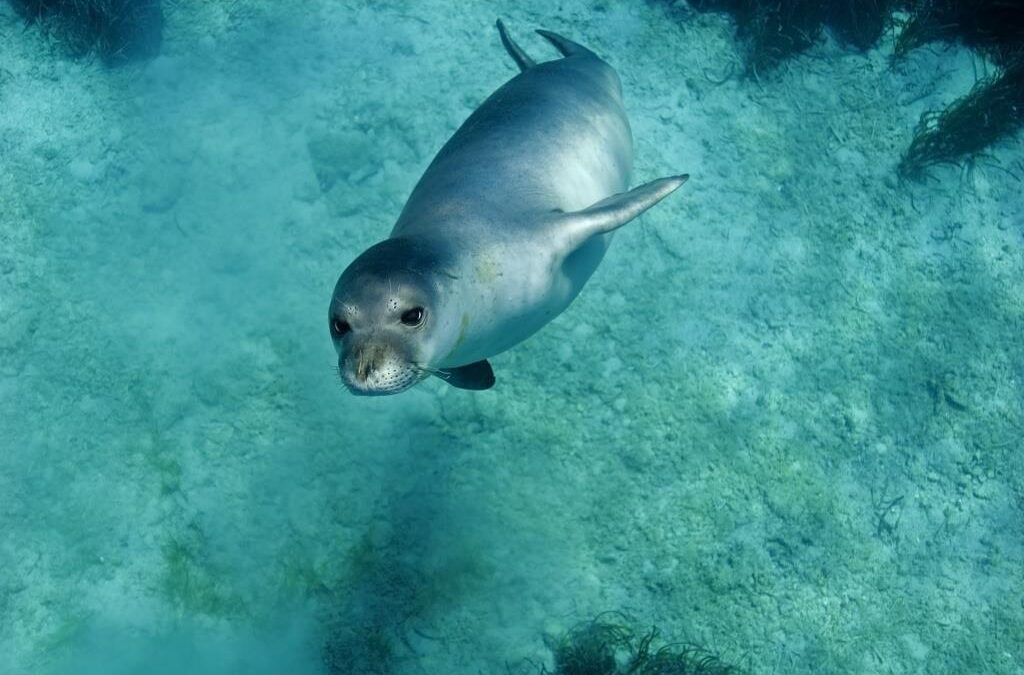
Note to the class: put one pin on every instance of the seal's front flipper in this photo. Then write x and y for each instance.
(609, 214)
(521, 58)
(476, 376)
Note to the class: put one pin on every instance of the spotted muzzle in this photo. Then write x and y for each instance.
(377, 369)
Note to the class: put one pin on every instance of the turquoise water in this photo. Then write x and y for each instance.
(783, 420)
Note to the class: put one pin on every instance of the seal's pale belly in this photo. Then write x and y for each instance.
(514, 297)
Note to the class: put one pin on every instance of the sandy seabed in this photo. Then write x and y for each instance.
(784, 420)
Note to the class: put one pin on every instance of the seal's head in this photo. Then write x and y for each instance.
(385, 316)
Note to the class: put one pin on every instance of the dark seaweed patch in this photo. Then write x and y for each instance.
(607, 645)
(773, 30)
(118, 30)
(994, 108)
(860, 23)
(993, 27)
(991, 111)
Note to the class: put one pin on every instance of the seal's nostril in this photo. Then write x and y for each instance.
(364, 365)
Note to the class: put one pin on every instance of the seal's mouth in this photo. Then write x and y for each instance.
(378, 371)
(382, 387)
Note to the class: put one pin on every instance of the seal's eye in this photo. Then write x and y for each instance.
(339, 327)
(413, 317)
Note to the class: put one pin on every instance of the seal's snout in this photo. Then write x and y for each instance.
(376, 370)
(368, 361)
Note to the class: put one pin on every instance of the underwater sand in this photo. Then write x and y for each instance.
(784, 420)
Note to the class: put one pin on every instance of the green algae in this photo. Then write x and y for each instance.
(190, 586)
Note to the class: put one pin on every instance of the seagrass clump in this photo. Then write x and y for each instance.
(992, 111)
(607, 645)
(992, 27)
(774, 30)
(860, 23)
(119, 31)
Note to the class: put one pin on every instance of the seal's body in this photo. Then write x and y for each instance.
(501, 232)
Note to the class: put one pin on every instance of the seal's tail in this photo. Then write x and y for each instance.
(523, 60)
(565, 45)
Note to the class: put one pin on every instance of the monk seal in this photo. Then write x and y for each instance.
(508, 223)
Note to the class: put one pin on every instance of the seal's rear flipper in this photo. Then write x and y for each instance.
(521, 58)
(565, 45)
(573, 229)
(476, 376)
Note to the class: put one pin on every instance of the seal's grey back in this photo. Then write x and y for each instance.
(553, 138)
